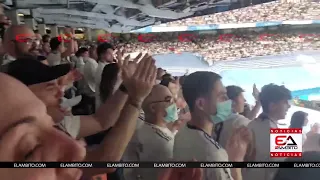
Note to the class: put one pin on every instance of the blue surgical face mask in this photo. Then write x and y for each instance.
(224, 109)
(172, 113)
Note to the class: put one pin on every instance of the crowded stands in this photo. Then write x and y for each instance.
(62, 102)
(230, 46)
(273, 11)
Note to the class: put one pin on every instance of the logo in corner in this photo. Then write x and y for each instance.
(285, 142)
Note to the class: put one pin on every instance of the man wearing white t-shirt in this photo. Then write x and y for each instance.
(58, 51)
(274, 101)
(208, 103)
(153, 141)
(43, 81)
(105, 56)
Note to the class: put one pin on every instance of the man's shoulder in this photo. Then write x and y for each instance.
(187, 135)
(54, 55)
(155, 132)
(241, 120)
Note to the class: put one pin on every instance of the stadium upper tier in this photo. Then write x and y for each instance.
(273, 11)
(267, 14)
(242, 45)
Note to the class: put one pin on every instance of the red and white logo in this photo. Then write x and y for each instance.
(285, 142)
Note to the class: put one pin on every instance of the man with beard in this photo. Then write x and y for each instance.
(36, 46)
(18, 41)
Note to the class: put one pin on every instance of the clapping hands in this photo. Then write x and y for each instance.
(138, 76)
(238, 143)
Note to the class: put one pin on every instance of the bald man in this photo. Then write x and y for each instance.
(28, 134)
(18, 41)
(153, 141)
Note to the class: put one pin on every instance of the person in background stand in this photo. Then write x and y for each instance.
(4, 24)
(105, 56)
(153, 140)
(45, 45)
(58, 49)
(93, 52)
(275, 104)
(18, 42)
(160, 73)
(209, 104)
(224, 130)
(299, 119)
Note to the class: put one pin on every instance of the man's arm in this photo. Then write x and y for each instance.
(254, 112)
(115, 143)
(109, 112)
(105, 117)
(69, 50)
(236, 173)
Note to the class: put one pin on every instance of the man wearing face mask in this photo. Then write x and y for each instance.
(209, 104)
(223, 130)
(153, 140)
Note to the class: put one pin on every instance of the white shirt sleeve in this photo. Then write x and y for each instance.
(71, 125)
(54, 59)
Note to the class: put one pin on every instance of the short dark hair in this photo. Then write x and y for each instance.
(181, 80)
(55, 43)
(81, 51)
(45, 38)
(234, 91)
(198, 84)
(102, 48)
(297, 119)
(167, 76)
(273, 93)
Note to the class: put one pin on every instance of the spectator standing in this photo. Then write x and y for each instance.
(275, 104)
(105, 56)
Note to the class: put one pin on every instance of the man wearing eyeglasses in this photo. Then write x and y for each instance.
(153, 141)
(18, 41)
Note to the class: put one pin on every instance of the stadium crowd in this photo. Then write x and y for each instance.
(272, 11)
(238, 45)
(64, 103)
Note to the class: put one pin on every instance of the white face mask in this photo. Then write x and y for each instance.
(69, 103)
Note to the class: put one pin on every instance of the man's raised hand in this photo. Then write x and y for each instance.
(140, 83)
(238, 143)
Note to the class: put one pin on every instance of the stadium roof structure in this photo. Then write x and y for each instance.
(120, 15)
